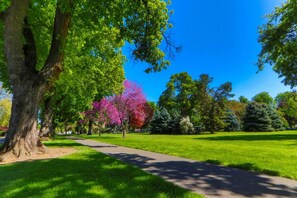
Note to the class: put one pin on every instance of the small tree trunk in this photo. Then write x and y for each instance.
(47, 126)
(124, 129)
(22, 137)
(90, 127)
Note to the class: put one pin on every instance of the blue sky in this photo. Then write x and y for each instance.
(219, 38)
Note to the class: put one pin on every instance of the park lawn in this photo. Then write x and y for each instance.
(273, 153)
(85, 173)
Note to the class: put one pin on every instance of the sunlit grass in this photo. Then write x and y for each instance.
(85, 173)
(273, 153)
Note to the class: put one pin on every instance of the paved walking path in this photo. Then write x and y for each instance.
(208, 179)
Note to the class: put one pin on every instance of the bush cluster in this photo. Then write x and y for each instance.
(164, 123)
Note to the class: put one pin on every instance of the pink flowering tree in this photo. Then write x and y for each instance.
(128, 108)
(129, 104)
(102, 113)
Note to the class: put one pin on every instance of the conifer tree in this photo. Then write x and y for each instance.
(256, 118)
(231, 122)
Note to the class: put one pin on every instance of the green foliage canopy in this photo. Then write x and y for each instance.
(99, 28)
(278, 38)
(264, 98)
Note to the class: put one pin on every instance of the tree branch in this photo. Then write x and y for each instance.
(53, 64)
(171, 48)
(29, 47)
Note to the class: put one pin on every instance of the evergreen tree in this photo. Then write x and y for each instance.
(276, 120)
(231, 122)
(174, 123)
(256, 118)
(161, 122)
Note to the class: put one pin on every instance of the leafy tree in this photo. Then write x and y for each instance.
(256, 118)
(149, 109)
(178, 91)
(243, 99)
(214, 119)
(129, 104)
(5, 111)
(78, 88)
(238, 108)
(264, 98)
(278, 39)
(287, 106)
(103, 113)
(201, 98)
(34, 43)
(231, 122)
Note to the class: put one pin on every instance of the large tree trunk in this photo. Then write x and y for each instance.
(28, 84)
(22, 136)
(47, 125)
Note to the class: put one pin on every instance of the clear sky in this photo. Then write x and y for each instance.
(219, 38)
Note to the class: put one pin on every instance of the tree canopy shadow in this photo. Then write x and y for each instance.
(210, 179)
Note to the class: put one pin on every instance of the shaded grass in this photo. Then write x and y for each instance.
(273, 153)
(85, 173)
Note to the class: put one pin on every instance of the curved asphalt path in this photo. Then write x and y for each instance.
(211, 180)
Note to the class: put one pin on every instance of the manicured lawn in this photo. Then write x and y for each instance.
(274, 153)
(86, 173)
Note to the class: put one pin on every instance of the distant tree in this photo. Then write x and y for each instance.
(214, 121)
(231, 122)
(186, 127)
(264, 98)
(238, 108)
(102, 113)
(276, 120)
(256, 118)
(201, 98)
(5, 111)
(129, 104)
(243, 99)
(287, 106)
(178, 91)
(174, 123)
(161, 122)
(278, 39)
(149, 109)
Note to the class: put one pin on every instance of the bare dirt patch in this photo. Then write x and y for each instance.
(51, 153)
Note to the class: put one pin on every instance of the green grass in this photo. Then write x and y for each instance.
(85, 173)
(272, 153)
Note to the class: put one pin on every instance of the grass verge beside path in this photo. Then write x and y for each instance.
(85, 173)
(273, 153)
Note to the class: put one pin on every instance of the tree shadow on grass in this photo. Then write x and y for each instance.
(62, 144)
(247, 137)
(212, 179)
(91, 175)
